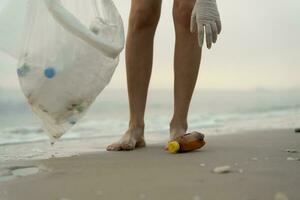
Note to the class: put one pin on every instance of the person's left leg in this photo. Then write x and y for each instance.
(186, 65)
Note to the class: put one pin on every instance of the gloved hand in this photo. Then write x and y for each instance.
(206, 15)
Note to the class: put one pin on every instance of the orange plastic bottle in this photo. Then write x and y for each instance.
(186, 143)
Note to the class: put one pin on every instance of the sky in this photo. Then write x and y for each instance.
(259, 48)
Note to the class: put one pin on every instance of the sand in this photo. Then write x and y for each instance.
(259, 170)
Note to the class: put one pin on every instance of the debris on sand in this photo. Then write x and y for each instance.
(291, 150)
(280, 196)
(254, 158)
(297, 130)
(292, 159)
(202, 164)
(222, 169)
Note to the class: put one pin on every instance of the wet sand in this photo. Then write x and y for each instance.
(260, 170)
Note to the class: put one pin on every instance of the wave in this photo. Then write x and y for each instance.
(287, 116)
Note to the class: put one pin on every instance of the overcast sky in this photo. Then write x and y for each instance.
(259, 48)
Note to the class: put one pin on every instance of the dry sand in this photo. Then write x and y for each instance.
(259, 171)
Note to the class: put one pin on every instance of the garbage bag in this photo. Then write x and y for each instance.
(12, 19)
(69, 52)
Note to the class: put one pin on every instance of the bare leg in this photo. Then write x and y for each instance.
(144, 17)
(186, 66)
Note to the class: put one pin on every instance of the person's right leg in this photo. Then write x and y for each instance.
(143, 20)
(186, 66)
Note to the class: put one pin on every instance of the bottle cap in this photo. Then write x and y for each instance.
(49, 72)
(173, 147)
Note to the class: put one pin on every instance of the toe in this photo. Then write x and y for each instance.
(114, 147)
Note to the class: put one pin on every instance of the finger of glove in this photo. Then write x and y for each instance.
(208, 33)
(219, 25)
(214, 29)
(200, 33)
(193, 23)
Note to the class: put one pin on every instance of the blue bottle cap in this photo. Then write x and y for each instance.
(49, 72)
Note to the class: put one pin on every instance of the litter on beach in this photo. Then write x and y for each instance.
(222, 169)
(292, 159)
(291, 150)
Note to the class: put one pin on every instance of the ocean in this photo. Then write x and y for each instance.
(213, 112)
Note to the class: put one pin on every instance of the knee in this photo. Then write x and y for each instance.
(182, 12)
(144, 17)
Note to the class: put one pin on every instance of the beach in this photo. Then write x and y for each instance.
(76, 76)
(261, 168)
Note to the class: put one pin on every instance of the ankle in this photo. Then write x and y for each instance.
(135, 125)
(136, 131)
(178, 125)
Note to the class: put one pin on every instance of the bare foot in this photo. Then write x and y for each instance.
(175, 133)
(133, 138)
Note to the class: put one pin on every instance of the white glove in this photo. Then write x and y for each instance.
(206, 14)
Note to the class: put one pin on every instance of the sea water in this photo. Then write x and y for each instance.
(214, 112)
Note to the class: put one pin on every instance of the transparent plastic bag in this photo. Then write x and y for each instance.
(68, 55)
(12, 19)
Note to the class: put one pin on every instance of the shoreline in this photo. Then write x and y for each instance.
(260, 169)
(68, 147)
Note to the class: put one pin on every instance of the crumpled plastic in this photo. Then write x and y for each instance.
(67, 52)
